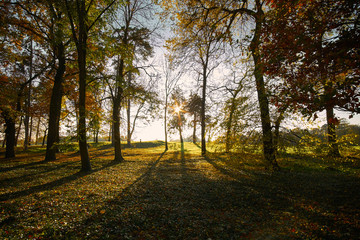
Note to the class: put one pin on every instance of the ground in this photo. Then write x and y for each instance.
(177, 195)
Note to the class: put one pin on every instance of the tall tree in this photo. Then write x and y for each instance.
(193, 107)
(132, 43)
(81, 24)
(222, 17)
(177, 104)
(202, 52)
(319, 58)
(171, 79)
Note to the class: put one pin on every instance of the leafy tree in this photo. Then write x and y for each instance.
(177, 120)
(172, 77)
(82, 20)
(193, 107)
(131, 43)
(221, 17)
(201, 51)
(319, 57)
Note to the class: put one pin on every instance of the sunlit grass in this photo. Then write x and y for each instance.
(52, 200)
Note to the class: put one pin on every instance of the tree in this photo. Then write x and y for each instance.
(318, 58)
(171, 79)
(177, 121)
(203, 51)
(193, 107)
(221, 17)
(132, 42)
(80, 27)
(144, 99)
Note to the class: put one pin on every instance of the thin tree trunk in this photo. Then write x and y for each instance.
(228, 126)
(116, 112)
(43, 142)
(128, 123)
(331, 128)
(203, 102)
(30, 130)
(194, 130)
(165, 124)
(18, 131)
(81, 49)
(268, 147)
(28, 102)
(10, 132)
(277, 131)
(37, 131)
(55, 106)
(128, 114)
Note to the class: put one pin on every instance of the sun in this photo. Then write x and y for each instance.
(177, 109)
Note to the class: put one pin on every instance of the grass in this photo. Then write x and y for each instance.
(178, 195)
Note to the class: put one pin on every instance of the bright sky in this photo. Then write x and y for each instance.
(155, 131)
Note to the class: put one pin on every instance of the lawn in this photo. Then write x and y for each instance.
(178, 195)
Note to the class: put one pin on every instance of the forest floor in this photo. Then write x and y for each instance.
(178, 195)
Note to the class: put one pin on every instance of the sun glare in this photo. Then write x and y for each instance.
(177, 109)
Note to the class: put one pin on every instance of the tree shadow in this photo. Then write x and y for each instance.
(53, 184)
(8, 169)
(176, 199)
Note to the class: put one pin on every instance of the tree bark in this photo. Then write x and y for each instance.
(18, 131)
(165, 124)
(331, 128)
(10, 132)
(55, 106)
(30, 130)
(37, 131)
(43, 142)
(81, 49)
(128, 114)
(228, 126)
(203, 102)
(268, 147)
(277, 131)
(116, 112)
(28, 102)
(194, 130)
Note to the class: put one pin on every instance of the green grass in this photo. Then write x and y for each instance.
(178, 195)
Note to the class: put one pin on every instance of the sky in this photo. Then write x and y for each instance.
(155, 130)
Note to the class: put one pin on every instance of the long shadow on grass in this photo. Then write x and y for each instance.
(51, 185)
(8, 169)
(177, 198)
(27, 177)
(318, 198)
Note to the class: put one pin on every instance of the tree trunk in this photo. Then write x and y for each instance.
(116, 113)
(194, 130)
(81, 49)
(43, 142)
(55, 106)
(37, 131)
(128, 114)
(128, 123)
(18, 131)
(10, 132)
(331, 128)
(268, 147)
(228, 126)
(277, 131)
(203, 101)
(116, 128)
(30, 130)
(28, 102)
(165, 125)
